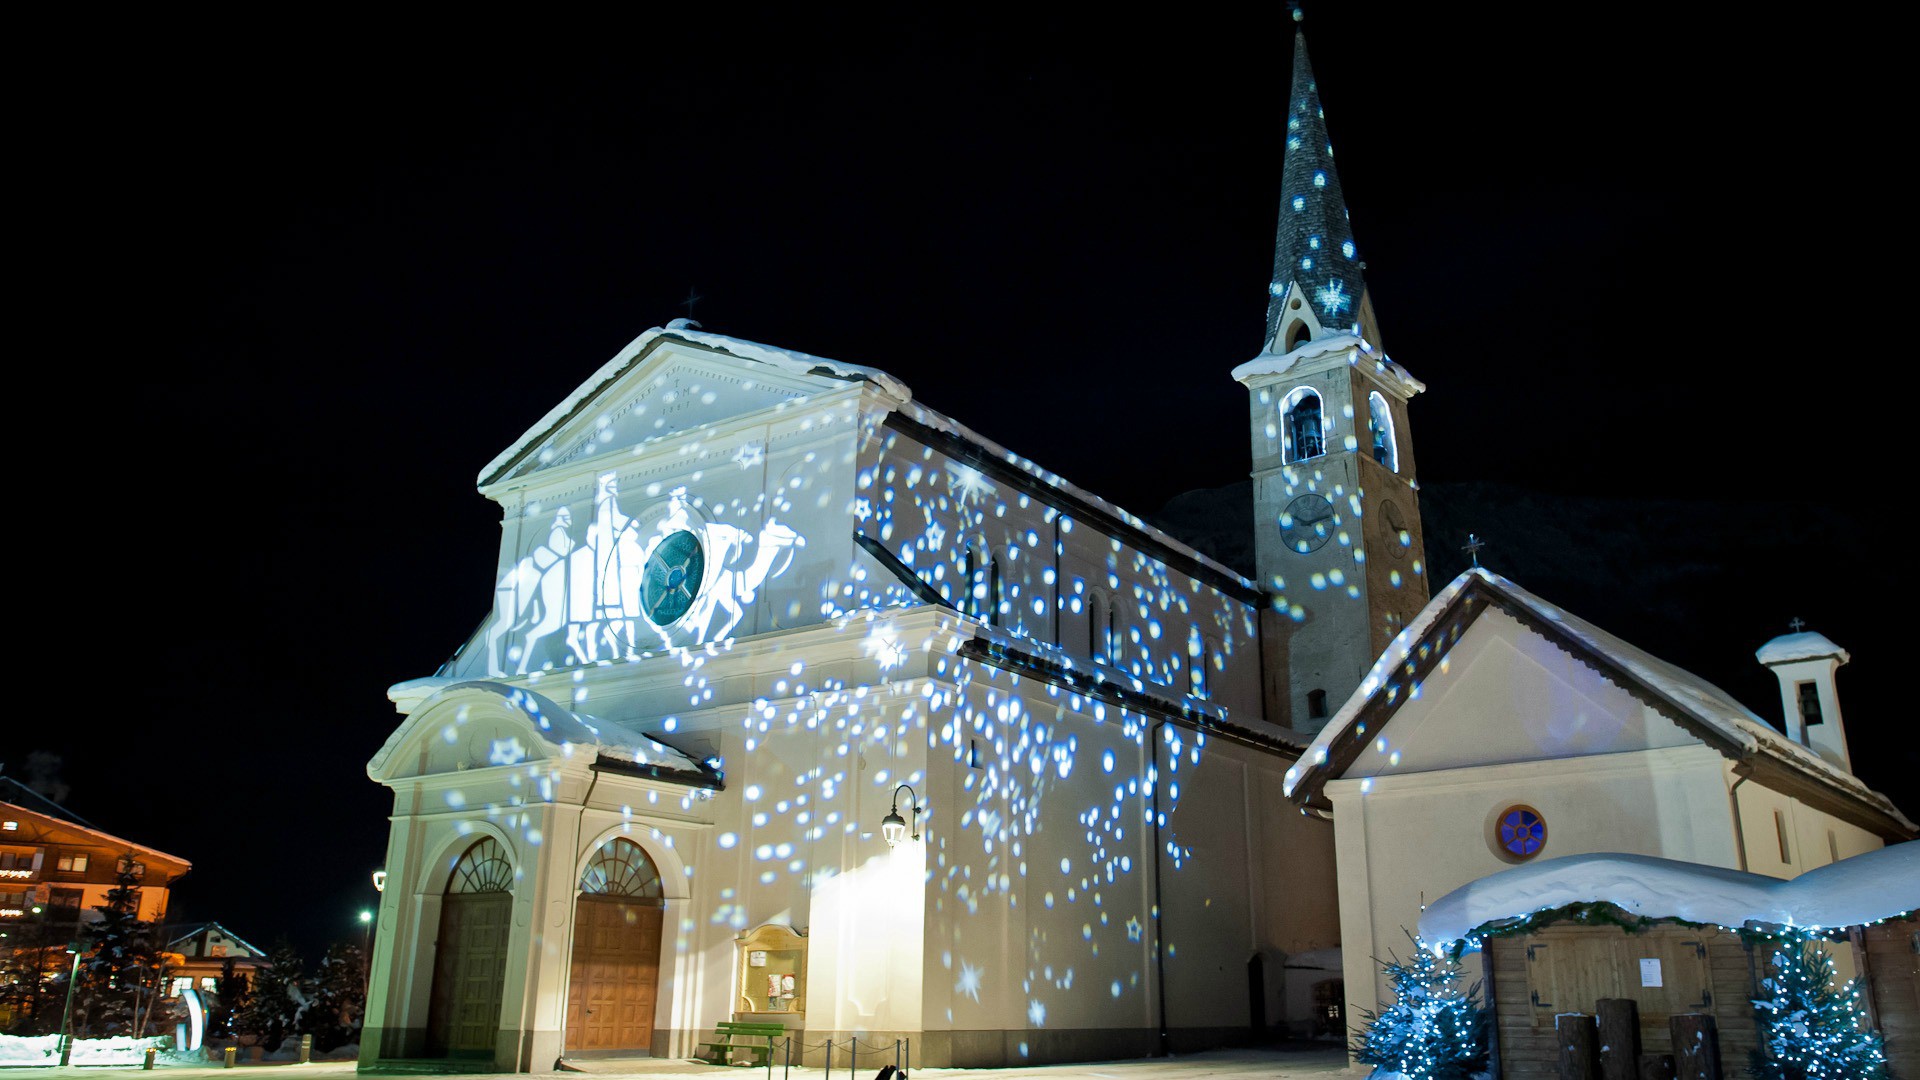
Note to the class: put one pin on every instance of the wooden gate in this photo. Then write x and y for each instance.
(1893, 968)
(470, 957)
(613, 984)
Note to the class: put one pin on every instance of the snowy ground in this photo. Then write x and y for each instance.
(1216, 1065)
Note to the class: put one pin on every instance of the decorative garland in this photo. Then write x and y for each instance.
(1602, 913)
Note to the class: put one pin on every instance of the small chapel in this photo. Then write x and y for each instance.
(801, 705)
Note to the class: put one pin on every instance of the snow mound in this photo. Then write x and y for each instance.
(1805, 645)
(45, 1050)
(1865, 888)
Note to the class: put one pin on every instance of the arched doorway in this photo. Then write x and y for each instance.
(470, 957)
(615, 977)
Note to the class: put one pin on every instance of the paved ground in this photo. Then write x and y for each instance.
(1263, 1064)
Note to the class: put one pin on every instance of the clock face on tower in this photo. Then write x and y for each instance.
(672, 577)
(1307, 523)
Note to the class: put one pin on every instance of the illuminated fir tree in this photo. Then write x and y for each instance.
(1433, 1030)
(1812, 1029)
(123, 969)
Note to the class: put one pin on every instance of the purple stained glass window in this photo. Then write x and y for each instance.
(1523, 832)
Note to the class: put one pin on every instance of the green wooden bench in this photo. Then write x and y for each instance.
(732, 1037)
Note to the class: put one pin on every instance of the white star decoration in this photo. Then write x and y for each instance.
(1037, 1012)
(1133, 928)
(1333, 296)
(749, 455)
(936, 536)
(862, 509)
(969, 983)
(966, 484)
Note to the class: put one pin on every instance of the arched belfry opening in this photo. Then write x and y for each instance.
(1297, 335)
(470, 956)
(614, 981)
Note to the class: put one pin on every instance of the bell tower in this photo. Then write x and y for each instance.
(1338, 540)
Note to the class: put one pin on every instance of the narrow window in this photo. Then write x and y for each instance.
(1833, 846)
(1305, 432)
(973, 753)
(1097, 626)
(1296, 336)
(993, 591)
(1809, 703)
(1780, 830)
(1316, 704)
(966, 581)
(1380, 421)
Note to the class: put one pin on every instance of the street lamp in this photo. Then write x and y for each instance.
(893, 826)
(66, 1017)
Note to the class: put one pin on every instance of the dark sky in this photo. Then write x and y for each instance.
(297, 291)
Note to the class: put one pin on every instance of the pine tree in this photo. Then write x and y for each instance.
(1810, 1028)
(121, 972)
(1432, 1031)
(275, 1003)
(230, 1000)
(340, 998)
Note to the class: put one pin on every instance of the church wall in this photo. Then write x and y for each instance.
(1812, 838)
(1406, 837)
(943, 518)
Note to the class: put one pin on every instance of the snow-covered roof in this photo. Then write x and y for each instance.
(1281, 363)
(1805, 645)
(1701, 707)
(1866, 888)
(558, 727)
(201, 928)
(893, 390)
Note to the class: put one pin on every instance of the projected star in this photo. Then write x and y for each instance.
(967, 485)
(749, 455)
(1133, 928)
(936, 536)
(969, 982)
(1037, 1013)
(1333, 297)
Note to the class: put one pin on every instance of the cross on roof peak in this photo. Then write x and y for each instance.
(1472, 548)
(1797, 624)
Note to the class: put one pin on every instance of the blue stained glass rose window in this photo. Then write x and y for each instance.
(1523, 832)
(673, 577)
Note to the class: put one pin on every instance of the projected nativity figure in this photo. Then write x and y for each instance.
(752, 603)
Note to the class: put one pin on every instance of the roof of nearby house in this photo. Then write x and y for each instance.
(198, 929)
(72, 828)
(1697, 705)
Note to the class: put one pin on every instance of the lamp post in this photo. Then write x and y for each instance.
(893, 826)
(66, 1017)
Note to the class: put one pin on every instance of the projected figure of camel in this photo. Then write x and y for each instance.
(595, 589)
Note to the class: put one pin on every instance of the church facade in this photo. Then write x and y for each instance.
(800, 702)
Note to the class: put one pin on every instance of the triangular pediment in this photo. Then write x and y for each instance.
(660, 386)
(1508, 694)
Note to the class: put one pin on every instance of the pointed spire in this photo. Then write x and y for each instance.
(1314, 246)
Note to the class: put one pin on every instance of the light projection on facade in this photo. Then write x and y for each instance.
(628, 585)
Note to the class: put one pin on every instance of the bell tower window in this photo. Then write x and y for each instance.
(1305, 431)
(1809, 694)
(1296, 335)
(1380, 423)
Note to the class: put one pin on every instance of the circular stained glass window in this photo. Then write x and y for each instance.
(1522, 831)
(673, 577)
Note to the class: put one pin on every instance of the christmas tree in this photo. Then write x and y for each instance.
(1810, 1028)
(123, 972)
(340, 998)
(1432, 1030)
(273, 1008)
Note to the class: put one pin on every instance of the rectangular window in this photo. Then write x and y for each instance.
(1780, 830)
(72, 864)
(65, 899)
(9, 826)
(1809, 703)
(180, 982)
(1316, 704)
(206, 982)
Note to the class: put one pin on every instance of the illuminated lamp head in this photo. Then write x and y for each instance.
(893, 826)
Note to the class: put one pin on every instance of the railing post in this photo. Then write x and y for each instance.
(232, 1052)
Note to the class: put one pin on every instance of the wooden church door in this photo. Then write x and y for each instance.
(470, 957)
(613, 985)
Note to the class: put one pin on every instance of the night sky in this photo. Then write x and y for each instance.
(293, 295)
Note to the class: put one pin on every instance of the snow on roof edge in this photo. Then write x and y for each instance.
(557, 725)
(1806, 645)
(1280, 363)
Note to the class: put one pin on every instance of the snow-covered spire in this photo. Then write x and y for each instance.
(1314, 248)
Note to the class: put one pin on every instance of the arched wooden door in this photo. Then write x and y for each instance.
(615, 978)
(470, 957)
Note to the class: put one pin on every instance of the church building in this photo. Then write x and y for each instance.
(800, 702)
